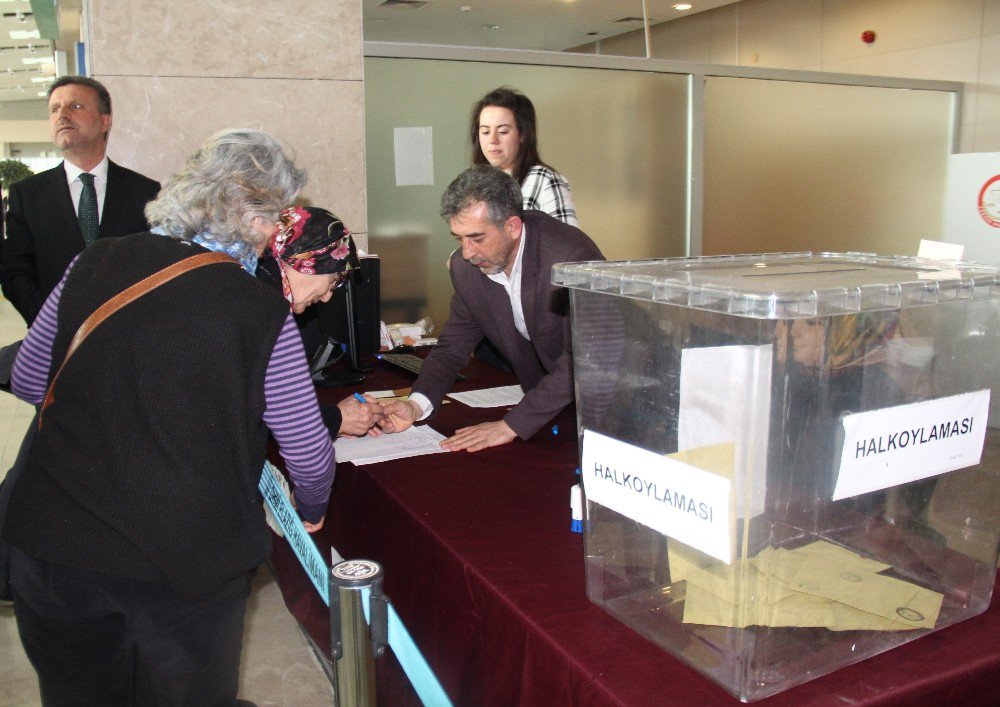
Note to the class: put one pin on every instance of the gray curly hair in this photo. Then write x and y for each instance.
(235, 176)
(485, 183)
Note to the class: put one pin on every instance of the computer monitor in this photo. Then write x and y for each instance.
(350, 325)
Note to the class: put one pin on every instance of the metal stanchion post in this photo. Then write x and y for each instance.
(354, 644)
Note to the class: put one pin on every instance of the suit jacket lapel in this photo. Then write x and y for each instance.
(530, 286)
(503, 333)
(114, 200)
(516, 348)
(519, 351)
(63, 215)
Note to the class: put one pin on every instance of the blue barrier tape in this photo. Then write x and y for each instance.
(420, 675)
(296, 535)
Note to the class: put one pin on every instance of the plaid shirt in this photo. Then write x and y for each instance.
(546, 190)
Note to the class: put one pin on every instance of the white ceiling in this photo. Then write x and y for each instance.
(16, 76)
(546, 25)
(22, 80)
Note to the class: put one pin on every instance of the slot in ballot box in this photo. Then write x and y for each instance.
(788, 459)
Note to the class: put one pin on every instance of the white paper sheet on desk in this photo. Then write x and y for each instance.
(411, 442)
(490, 397)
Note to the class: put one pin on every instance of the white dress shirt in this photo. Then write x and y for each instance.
(100, 173)
(513, 286)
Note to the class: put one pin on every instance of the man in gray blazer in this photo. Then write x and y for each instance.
(503, 291)
(43, 232)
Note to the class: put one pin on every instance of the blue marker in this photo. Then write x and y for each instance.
(360, 398)
(555, 429)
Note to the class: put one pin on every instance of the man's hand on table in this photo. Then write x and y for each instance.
(397, 415)
(481, 436)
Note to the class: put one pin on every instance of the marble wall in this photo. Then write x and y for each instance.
(178, 70)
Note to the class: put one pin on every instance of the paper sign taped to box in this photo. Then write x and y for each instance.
(676, 499)
(904, 443)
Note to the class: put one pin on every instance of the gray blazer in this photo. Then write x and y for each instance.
(481, 307)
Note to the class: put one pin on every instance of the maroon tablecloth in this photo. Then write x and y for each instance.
(483, 570)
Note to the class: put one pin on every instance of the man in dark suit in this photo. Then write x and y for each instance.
(503, 291)
(46, 227)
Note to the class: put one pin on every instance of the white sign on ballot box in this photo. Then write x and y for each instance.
(679, 500)
(904, 443)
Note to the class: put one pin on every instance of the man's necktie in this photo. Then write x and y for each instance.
(87, 214)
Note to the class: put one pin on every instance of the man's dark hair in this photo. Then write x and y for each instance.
(103, 97)
(485, 183)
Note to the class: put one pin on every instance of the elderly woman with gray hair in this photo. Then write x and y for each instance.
(136, 524)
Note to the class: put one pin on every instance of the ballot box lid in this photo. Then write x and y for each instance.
(787, 285)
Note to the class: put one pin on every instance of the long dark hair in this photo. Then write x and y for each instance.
(524, 113)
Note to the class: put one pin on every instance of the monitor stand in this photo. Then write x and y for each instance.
(321, 374)
(337, 378)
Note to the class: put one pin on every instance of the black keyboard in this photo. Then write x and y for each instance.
(410, 362)
(407, 361)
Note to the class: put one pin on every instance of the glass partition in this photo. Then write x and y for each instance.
(619, 137)
(806, 166)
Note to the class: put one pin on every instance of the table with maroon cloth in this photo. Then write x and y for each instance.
(484, 572)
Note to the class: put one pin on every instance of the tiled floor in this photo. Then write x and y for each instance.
(278, 666)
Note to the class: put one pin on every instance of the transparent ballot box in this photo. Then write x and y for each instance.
(791, 462)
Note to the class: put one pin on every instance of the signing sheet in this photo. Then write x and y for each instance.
(490, 397)
(411, 442)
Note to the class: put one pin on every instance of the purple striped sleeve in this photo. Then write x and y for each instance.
(29, 377)
(292, 415)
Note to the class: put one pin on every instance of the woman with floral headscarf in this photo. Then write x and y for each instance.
(313, 252)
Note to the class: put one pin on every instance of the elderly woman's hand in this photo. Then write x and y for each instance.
(359, 418)
(313, 527)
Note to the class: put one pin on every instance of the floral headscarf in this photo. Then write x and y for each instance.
(313, 241)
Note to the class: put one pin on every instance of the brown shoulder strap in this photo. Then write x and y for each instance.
(125, 297)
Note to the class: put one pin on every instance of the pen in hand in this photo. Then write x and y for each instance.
(375, 412)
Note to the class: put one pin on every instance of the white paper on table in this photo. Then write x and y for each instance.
(411, 442)
(381, 393)
(726, 398)
(490, 397)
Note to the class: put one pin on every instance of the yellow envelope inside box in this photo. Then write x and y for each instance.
(818, 585)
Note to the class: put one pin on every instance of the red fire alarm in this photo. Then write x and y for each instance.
(868, 36)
